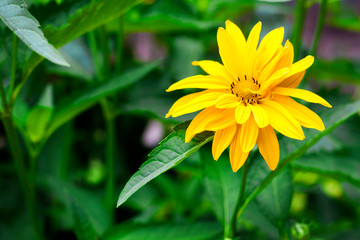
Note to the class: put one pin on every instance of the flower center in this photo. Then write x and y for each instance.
(242, 89)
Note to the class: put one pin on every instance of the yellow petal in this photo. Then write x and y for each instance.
(199, 122)
(240, 43)
(269, 146)
(304, 115)
(274, 79)
(201, 81)
(223, 120)
(227, 101)
(269, 46)
(228, 53)
(183, 100)
(237, 156)
(260, 115)
(222, 140)
(302, 94)
(251, 45)
(205, 100)
(242, 113)
(249, 134)
(282, 120)
(293, 81)
(213, 68)
(287, 57)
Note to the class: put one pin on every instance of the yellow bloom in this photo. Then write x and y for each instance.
(249, 96)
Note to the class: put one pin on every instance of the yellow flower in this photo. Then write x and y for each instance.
(249, 96)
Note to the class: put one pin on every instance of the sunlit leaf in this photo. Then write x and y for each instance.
(16, 16)
(172, 151)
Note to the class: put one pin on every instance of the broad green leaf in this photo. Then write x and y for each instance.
(16, 16)
(172, 151)
(275, 200)
(82, 21)
(72, 106)
(346, 169)
(198, 230)
(90, 216)
(259, 175)
(222, 186)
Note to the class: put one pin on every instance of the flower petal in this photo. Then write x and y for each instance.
(240, 43)
(201, 81)
(287, 57)
(223, 120)
(273, 80)
(222, 140)
(228, 53)
(302, 94)
(213, 68)
(269, 46)
(242, 113)
(249, 134)
(237, 156)
(227, 101)
(193, 104)
(199, 122)
(293, 81)
(251, 45)
(282, 120)
(260, 115)
(302, 114)
(269, 146)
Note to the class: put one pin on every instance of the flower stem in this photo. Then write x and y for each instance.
(95, 55)
(26, 185)
(13, 64)
(239, 200)
(319, 26)
(298, 26)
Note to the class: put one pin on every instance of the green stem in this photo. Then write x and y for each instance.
(319, 26)
(26, 184)
(232, 230)
(119, 44)
(110, 158)
(13, 64)
(298, 26)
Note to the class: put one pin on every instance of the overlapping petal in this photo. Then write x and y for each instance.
(213, 68)
(237, 156)
(302, 114)
(249, 134)
(282, 120)
(222, 140)
(302, 94)
(201, 81)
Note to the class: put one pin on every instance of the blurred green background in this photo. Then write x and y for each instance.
(110, 106)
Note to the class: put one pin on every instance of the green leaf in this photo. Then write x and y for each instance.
(169, 231)
(37, 121)
(259, 175)
(82, 21)
(15, 15)
(172, 151)
(222, 186)
(40, 116)
(90, 216)
(275, 200)
(348, 169)
(72, 106)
